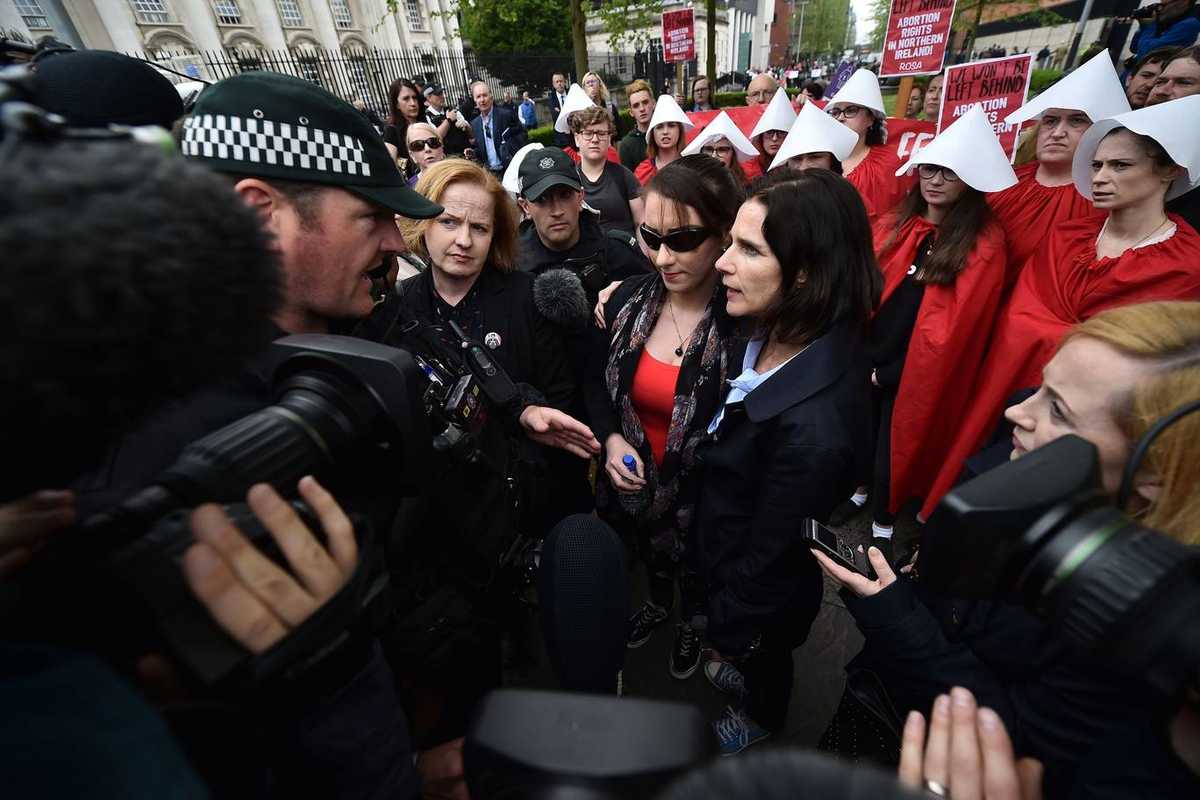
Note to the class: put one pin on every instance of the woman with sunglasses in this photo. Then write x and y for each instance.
(871, 166)
(608, 186)
(942, 254)
(425, 148)
(656, 380)
(664, 138)
(790, 432)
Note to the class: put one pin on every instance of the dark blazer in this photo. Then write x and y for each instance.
(560, 139)
(507, 130)
(786, 452)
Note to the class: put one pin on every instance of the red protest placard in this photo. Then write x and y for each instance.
(679, 35)
(998, 84)
(918, 34)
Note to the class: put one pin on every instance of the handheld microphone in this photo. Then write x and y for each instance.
(559, 296)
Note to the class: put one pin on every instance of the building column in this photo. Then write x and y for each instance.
(270, 27)
(199, 24)
(122, 29)
(323, 25)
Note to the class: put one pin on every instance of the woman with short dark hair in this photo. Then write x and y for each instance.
(658, 377)
(792, 429)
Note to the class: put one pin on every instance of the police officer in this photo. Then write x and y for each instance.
(560, 231)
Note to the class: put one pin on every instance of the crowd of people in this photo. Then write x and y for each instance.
(713, 334)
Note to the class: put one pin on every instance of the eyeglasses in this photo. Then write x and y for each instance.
(845, 112)
(592, 136)
(417, 145)
(927, 171)
(716, 150)
(761, 94)
(591, 82)
(680, 240)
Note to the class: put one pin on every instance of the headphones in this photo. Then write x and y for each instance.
(1143, 446)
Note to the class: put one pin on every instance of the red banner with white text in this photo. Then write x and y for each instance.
(678, 35)
(1000, 85)
(917, 37)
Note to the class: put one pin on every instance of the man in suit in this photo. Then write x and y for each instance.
(557, 97)
(497, 132)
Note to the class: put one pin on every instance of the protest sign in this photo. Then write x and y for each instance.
(998, 84)
(917, 36)
(679, 35)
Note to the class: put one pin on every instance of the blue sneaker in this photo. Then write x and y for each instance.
(726, 678)
(736, 732)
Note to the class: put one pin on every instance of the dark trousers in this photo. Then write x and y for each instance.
(883, 402)
(770, 671)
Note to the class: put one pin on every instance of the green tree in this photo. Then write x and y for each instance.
(521, 42)
(968, 16)
(630, 24)
(825, 25)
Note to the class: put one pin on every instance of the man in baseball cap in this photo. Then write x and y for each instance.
(321, 180)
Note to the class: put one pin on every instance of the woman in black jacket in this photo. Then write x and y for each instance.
(792, 430)
(657, 378)
(466, 522)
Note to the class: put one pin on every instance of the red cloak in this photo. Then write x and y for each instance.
(752, 169)
(876, 181)
(645, 171)
(944, 353)
(1062, 284)
(1028, 210)
(611, 155)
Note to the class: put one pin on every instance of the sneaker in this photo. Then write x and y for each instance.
(726, 677)
(736, 731)
(685, 655)
(643, 622)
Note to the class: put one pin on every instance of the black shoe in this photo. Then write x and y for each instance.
(846, 511)
(643, 622)
(685, 655)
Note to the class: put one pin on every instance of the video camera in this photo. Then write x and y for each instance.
(353, 413)
(1039, 531)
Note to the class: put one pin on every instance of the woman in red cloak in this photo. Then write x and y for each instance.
(1136, 253)
(871, 166)
(942, 255)
(1045, 194)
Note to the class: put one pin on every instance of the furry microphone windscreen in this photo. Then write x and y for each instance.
(559, 296)
(131, 277)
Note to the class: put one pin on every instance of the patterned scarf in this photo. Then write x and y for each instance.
(664, 507)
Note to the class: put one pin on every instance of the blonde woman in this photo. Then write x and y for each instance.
(596, 89)
(1112, 378)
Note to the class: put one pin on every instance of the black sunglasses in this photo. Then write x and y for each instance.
(417, 145)
(680, 240)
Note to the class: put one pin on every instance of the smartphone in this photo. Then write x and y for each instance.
(821, 538)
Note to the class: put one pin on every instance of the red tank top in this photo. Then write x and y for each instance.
(653, 398)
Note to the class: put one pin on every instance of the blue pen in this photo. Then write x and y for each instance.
(630, 464)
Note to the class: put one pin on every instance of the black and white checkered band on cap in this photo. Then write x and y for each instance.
(258, 141)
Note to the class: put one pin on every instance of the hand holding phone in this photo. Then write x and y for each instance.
(823, 540)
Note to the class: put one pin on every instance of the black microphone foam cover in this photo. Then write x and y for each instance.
(558, 296)
(583, 591)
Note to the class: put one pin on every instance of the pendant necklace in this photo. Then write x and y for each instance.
(671, 308)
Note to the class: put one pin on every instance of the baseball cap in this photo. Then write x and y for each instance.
(271, 125)
(96, 88)
(431, 90)
(545, 168)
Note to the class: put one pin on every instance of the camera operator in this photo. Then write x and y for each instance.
(1171, 23)
(1112, 378)
(110, 330)
(478, 505)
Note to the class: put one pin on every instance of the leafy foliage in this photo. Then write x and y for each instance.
(630, 24)
(826, 24)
